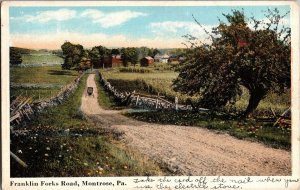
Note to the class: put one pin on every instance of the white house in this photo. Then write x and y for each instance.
(164, 58)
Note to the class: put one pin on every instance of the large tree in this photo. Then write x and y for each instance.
(72, 54)
(129, 54)
(99, 53)
(242, 52)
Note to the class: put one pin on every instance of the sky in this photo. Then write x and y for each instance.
(118, 26)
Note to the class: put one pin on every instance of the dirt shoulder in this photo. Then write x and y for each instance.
(189, 150)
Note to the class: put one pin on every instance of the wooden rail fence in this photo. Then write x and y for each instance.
(22, 108)
(143, 101)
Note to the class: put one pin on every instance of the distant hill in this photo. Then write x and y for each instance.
(22, 50)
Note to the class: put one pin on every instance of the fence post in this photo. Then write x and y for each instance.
(137, 100)
(156, 105)
(176, 103)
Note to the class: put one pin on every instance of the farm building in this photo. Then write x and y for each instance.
(116, 60)
(164, 58)
(146, 61)
(173, 58)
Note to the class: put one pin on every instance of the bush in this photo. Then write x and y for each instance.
(14, 56)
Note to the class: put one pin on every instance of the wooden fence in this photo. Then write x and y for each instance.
(143, 101)
(23, 108)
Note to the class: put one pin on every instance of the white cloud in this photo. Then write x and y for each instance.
(111, 19)
(89, 40)
(46, 16)
(180, 28)
(284, 22)
(173, 27)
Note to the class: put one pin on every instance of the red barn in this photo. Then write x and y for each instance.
(146, 61)
(116, 60)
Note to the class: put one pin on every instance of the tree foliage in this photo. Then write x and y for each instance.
(241, 52)
(15, 56)
(99, 52)
(129, 54)
(72, 54)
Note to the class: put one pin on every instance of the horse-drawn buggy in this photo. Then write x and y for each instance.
(90, 91)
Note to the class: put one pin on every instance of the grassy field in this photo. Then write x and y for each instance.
(149, 83)
(161, 81)
(30, 81)
(62, 143)
(45, 58)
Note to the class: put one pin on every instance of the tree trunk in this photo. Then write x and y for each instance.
(255, 97)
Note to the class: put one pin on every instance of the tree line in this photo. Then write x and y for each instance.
(75, 55)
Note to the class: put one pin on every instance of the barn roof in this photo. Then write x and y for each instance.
(148, 57)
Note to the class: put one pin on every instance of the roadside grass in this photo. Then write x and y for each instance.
(35, 76)
(274, 136)
(87, 156)
(62, 143)
(104, 100)
(46, 58)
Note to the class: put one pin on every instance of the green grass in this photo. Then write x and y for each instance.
(134, 70)
(277, 137)
(279, 103)
(47, 58)
(104, 100)
(45, 75)
(36, 77)
(62, 143)
(36, 93)
(161, 81)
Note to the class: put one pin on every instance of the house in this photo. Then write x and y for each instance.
(146, 61)
(164, 58)
(173, 58)
(157, 57)
(116, 60)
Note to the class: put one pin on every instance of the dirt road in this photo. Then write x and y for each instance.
(190, 150)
